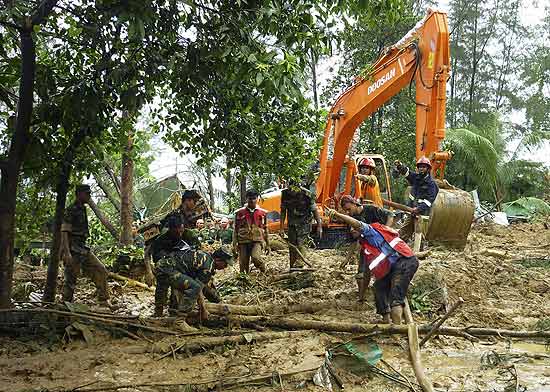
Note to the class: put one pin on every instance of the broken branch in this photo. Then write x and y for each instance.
(438, 324)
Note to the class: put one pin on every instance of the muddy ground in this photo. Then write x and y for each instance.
(503, 275)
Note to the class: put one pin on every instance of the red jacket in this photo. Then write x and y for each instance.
(249, 227)
(378, 262)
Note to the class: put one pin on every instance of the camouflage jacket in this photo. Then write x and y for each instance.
(299, 206)
(76, 216)
(193, 263)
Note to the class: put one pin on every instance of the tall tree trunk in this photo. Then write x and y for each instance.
(11, 167)
(474, 68)
(229, 188)
(105, 188)
(314, 78)
(211, 195)
(61, 190)
(242, 185)
(126, 191)
(104, 220)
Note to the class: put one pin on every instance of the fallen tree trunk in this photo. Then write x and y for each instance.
(96, 319)
(198, 344)
(381, 329)
(258, 310)
(131, 282)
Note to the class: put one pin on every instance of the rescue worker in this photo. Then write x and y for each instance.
(389, 260)
(250, 234)
(298, 204)
(76, 255)
(423, 193)
(367, 214)
(225, 232)
(184, 270)
(369, 189)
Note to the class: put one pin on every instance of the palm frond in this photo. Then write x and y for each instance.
(476, 152)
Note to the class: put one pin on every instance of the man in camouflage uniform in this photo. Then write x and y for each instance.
(184, 270)
(76, 255)
(299, 205)
(225, 232)
(191, 208)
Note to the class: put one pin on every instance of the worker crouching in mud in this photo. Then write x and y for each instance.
(389, 259)
(185, 270)
(367, 214)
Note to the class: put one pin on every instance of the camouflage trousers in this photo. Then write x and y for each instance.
(252, 251)
(83, 260)
(391, 290)
(185, 290)
(297, 236)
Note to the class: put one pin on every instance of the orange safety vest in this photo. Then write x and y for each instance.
(370, 192)
(378, 262)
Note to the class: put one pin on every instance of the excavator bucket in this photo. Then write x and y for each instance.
(451, 217)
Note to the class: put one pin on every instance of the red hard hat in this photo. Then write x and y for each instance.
(424, 161)
(348, 199)
(367, 162)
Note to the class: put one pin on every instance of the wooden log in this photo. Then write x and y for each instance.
(379, 329)
(414, 351)
(100, 320)
(198, 344)
(281, 309)
(440, 322)
(131, 282)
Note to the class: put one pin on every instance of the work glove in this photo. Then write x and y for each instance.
(330, 212)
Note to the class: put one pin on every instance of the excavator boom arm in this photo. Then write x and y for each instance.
(422, 55)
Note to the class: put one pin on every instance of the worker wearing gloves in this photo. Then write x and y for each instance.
(423, 192)
(369, 190)
(389, 259)
(367, 213)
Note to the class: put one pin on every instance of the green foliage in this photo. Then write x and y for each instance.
(475, 160)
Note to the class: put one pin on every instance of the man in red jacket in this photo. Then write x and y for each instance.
(250, 235)
(389, 259)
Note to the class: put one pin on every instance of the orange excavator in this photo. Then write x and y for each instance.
(422, 56)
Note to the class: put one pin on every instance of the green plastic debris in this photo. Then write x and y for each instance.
(371, 358)
(528, 207)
